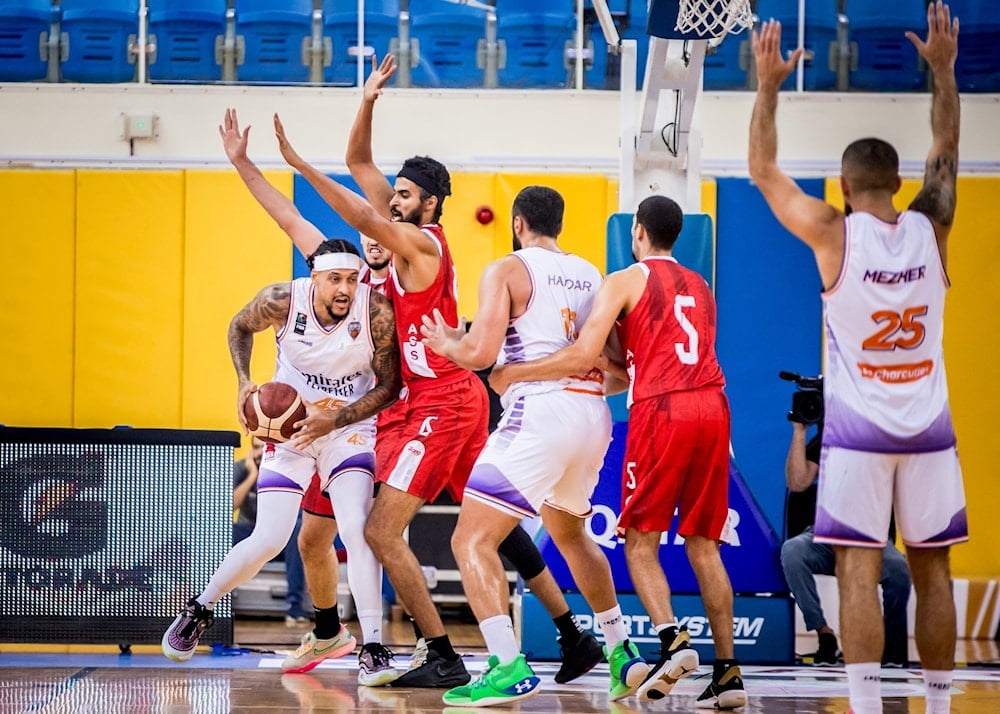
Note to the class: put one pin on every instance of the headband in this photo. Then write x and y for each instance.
(422, 180)
(336, 261)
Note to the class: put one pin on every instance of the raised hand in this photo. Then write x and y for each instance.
(772, 70)
(381, 74)
(289, 154)
(234, 142)
(941, 47)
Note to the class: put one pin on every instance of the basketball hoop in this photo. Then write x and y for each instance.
(714, 18)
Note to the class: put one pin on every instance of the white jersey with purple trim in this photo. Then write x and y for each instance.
(563, 287)
(885, 387)
(331, 366)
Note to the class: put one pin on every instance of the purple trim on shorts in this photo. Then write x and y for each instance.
(956, 532)
(845, 428)
(364, 461)
(828, 529)
(488, 480)
(272, 479)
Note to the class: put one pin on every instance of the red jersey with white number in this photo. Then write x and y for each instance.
(669, 337)
(419, 363)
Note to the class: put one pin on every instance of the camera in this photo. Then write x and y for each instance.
(807, 401)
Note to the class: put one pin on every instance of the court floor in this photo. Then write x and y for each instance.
(249, 679)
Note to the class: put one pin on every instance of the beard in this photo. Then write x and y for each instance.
(515, 241)
(847, 209)
(376, 264)
(413, 217)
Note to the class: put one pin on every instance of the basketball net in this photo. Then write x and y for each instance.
(714, 18)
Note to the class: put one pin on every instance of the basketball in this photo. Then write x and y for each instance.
(272, 411)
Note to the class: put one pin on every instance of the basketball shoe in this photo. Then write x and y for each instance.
(726, 689)
(628, 669)
(181, 638)
(498, 684)
(677, 661)
(435, 672)
(578, 658)
(375, 665)
(313, 651)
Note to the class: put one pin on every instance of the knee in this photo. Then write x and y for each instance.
(792, 555)
(465, 544)
(313, 549)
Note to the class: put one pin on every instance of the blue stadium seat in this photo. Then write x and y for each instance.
(448, 37)
(97, 38)
(188, 37)
(727, 65)
(24, 36)
(978, 66)
(882, 59)
(340, 27)
(630, 18)
(272, 39)
(820, 38)
(535, 40)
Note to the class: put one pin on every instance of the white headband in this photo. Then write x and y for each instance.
(336, 261)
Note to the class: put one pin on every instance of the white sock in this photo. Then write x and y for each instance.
(657, 629)
(498, 632)
(938, 685)
(371, 626)
(612, 626)
(864, 683)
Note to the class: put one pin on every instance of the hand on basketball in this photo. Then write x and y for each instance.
(246, 389)
(941, 48)
(289, 154)
(437, 334)
(233, 141)
(380, 76)
(319, 422)
(498, 379)
(772, 70)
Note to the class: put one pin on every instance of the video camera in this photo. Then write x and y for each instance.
(807, 401)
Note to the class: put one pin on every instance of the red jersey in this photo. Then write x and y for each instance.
(419, 363)
(669, 337)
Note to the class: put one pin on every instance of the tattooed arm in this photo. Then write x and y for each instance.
(269, 308)
(937, 197)
(388, 382)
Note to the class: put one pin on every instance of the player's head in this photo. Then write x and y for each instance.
(335, 265)
(869, 166)
(539, 210)
(658, 220)
(420, 190)
(374, 254)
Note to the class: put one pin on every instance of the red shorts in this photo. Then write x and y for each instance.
(388, 428)
(677, 456)
(316, 501)
(444, 432)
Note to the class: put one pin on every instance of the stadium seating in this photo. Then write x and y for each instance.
(97, 40)
(726, 67)
(24, 39)
(448, 38)
(188, 36)
(820, 65)
(273, 38)
(977, 68)
(882, 58)
(340, 33)
(535, 37)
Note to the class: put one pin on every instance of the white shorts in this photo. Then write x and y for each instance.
(350, 448)
(859, 489)
(548, 448)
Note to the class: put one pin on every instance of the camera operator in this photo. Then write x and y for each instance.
(802, 558)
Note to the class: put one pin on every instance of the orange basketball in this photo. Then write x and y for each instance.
(272, 411)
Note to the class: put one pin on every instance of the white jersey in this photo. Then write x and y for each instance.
(331, 366)
(563, 287)
(885, 387)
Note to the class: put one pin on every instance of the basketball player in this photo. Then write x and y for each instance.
(888, 439)
(546, 454)
(677, 453)
(329, 638)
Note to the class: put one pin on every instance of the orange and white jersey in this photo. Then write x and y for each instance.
(885, 386)
(563, 287)
(331, 366)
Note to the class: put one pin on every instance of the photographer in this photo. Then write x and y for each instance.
(802, 558)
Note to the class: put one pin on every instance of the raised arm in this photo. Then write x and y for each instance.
(937, 198)
(359, 159)
(269, 308)
(815, 222)
(304, 234)
(478, 348)
(612, 298)
(388, 382)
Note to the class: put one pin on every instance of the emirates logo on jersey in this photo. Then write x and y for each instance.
(354, 329)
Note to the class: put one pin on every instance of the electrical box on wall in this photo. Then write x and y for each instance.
(138, 125)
